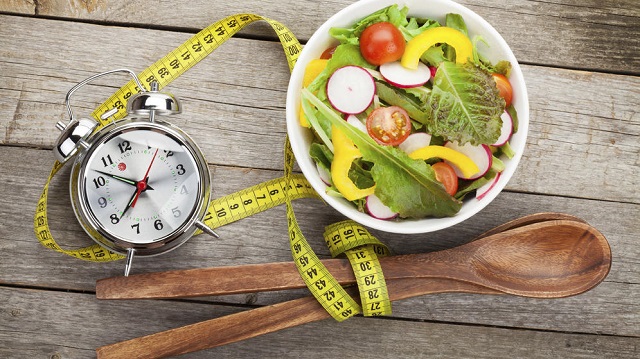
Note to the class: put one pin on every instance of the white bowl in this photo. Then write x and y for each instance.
(301, 137)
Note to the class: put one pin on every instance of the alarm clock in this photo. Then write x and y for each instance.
(139, 186)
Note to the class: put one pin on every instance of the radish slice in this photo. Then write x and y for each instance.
(480, 155)
(402, 77)
(482, 191)
(355, 122)
(377, 209)
(433, 71)
(415, 141)
(351, 89)
(325, 176)
(506, 131)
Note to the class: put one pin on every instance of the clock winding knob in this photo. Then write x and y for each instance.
(148, 103)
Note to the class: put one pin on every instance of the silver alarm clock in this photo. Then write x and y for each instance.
(139, 186)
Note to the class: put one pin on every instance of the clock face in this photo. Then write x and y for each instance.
(141, 185)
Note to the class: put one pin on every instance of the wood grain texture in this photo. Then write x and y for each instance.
(260, 321)
(581, 132)
(565, 33)
(582, 158)
(23, 261)
(45, 323)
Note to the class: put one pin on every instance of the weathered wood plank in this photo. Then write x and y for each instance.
(564, 33)
(19, 7)
(581, 135)
(39, 323)
(611, 308)
(582, 158)
(237, 116)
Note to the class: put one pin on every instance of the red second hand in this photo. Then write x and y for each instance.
(142, 184)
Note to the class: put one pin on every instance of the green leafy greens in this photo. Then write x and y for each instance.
(465, 105)
(407, 186)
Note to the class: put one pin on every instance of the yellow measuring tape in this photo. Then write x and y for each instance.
(345, 237)
(362, 249)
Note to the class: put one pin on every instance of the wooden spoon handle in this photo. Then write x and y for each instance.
(215, 281)
(265, 277)
(215, 332)
(251, 323)
(281, 276)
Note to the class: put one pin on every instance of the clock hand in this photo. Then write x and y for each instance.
(122, 179)
(140, 187)
(146, 175)
(134, 197)
(142, 184)
(126, 208)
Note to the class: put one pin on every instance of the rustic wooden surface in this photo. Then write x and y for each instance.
(581, 61)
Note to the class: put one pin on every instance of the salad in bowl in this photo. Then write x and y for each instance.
(409, 118)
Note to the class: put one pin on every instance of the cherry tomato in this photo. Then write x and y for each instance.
(389, 126)
(328, 53)
(381, 43)
(504, 86)
(446, 175)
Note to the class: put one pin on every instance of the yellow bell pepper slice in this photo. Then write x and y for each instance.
(460, 160)
(344, 153)
(313, 69)
(442, 34)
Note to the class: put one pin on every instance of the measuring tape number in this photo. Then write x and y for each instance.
(362, 249)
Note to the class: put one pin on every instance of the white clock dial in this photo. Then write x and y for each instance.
(141, 185)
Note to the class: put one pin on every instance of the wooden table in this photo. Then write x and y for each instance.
(581, 62)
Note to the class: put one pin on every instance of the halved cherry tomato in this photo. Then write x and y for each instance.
(389, 126)
(328, 53)
(504, 86)
(381, 43)
(446, 175)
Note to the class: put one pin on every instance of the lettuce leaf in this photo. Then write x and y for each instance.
(392, 14)
(321, 154)
(407, 186)
(399, 97)
(457, 22)
(454, 21)
(514, 117)
(321, 127)
(360, 173)
(416, 26)
(434, 55)
(465, 105)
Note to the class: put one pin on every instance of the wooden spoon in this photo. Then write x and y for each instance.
(248, 324)
(252, 323)
(545, 259)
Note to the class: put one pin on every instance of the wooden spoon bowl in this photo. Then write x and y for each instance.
(556, 258)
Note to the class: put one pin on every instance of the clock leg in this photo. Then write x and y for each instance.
(127, 267)
(203, 227)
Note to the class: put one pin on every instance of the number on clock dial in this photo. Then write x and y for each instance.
(114, 176)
